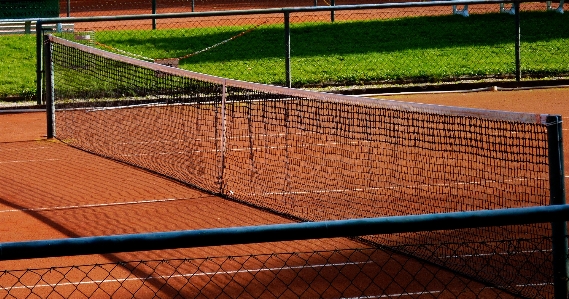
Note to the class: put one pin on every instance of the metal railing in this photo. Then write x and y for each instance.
(354, 272)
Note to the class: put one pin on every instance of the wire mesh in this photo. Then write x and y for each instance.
(341, 273)
(353, 48)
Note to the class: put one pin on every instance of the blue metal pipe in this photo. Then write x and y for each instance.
(281, 232)
(557, 197)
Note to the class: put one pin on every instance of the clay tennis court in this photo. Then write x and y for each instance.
(50, 190)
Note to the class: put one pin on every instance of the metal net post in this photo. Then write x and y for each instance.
(49, 90)
(557, 197)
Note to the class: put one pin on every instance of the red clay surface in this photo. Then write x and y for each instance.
(49, 190)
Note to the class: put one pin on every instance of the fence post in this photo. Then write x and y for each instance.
(516, 6)
(557, 197)
(28, 27)
(39, 74)
(49, 90)
(332, 12)
(193, 5)
(68, 8)
(153, 12)
(288, 79)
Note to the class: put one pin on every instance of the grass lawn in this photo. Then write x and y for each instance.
(17, 66)
(420, 49)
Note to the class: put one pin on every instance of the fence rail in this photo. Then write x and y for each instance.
(282, 232)
(27, 27)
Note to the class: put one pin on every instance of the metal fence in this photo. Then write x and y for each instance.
(342, 273)
(355, 45)
(529, 270)
(83, 8)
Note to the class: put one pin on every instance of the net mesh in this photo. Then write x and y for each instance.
(315, 156)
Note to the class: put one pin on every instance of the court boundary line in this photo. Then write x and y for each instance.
(100, 205)
(389, 187)
(233, 272)
(209, 273)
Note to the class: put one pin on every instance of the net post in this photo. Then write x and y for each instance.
(39, 63)
(557, 197)
(288, 79)
(49, 90)
(223, 136)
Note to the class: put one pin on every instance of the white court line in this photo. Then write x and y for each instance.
(27, 161)
(255, 137)
(157, 141)
(245, 148)
(493, 253)
(394, 295)
(388, 187)
(92, 205)
(167, 104)
(261, 136)
(534, 284)
(121, 280)
(240, 149)
(21, 149)
(437, 292)
(304, 145)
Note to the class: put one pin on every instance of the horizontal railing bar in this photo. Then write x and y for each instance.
(266, 11)
(281, 232)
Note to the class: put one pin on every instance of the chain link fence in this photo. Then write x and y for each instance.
(76, 8)
(341, 273)
(361, 47)
(349, 47)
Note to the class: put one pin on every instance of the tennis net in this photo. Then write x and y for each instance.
(317, 156)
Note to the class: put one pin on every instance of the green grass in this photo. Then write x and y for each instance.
(416, 49)
(17, 65)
